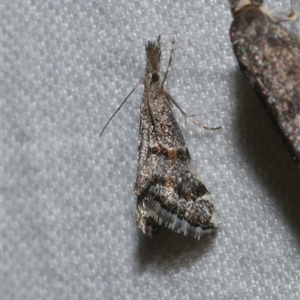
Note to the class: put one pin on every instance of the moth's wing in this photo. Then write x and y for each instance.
(173, 194)
(269, 54)
(144, 172)
(143, 175)
(178, 199)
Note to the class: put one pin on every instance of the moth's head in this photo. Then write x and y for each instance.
(236, 5)
(151, 78)
(153, 58)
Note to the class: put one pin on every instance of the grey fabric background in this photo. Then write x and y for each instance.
(68, 213)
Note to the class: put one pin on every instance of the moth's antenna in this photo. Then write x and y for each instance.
(170, 61)
(119, 107)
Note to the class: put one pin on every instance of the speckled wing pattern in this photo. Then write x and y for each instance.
(269, 54)
(168, 188)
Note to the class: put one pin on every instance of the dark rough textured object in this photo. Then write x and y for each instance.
(168, 188)
(269, 55)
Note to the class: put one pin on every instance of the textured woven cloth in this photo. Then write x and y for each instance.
(68, 212)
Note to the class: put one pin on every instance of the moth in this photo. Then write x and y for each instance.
(168, 188)
(269, 55)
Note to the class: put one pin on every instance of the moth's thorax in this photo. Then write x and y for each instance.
(249, 21)
(248, 9)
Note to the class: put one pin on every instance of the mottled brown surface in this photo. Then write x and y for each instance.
(168, 187)
(269, 55)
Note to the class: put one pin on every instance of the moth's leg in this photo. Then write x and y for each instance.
(186, 116)
(280, 15)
